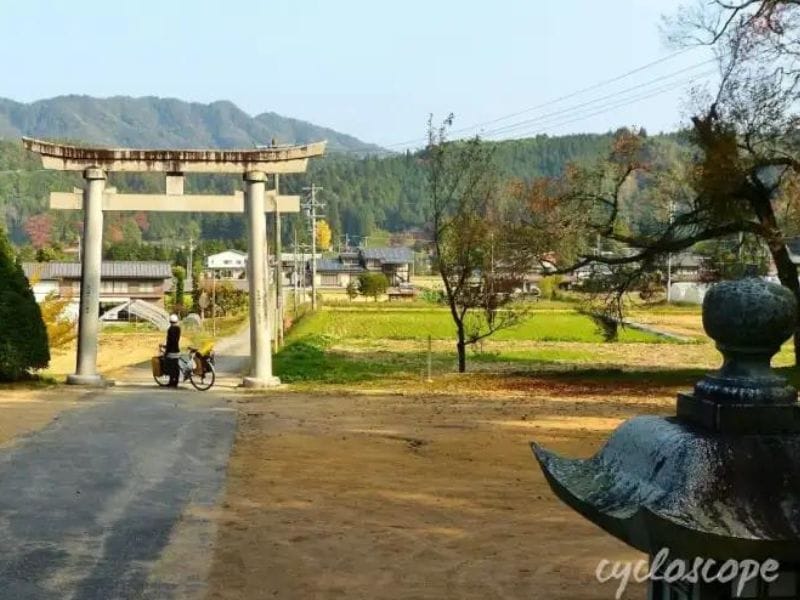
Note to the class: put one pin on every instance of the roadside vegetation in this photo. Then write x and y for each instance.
(23, 335)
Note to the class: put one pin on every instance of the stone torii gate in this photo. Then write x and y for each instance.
(95, 197)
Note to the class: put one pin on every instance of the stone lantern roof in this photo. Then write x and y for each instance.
(721, 478)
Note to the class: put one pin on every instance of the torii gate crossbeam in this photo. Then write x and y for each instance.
(253, 165)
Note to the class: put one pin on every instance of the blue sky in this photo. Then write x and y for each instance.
(369, 68)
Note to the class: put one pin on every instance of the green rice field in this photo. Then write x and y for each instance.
(417, 324)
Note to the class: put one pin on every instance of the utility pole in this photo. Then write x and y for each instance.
(669, 256)
(303, 280)
(296, 273)
(214, 302)
(202, 297)
(430, 360)
(669, 278)
(189, 264)
(278, 271)
(311, 207)
(491, 259)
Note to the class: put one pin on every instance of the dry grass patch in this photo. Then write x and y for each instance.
(688, 324)
(24, 411)
(115, 351)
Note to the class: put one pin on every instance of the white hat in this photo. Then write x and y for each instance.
(173, 318)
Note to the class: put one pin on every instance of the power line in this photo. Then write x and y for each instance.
(586, 112)
(601, 108)
(557, 100)
(593, 101)
(541, 121)
(579, 92)
(605, 109)
(545, 127)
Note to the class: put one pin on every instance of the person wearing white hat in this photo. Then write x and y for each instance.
(173, 350)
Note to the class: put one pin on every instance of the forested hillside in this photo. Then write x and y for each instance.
(362, 194)
(162, 123)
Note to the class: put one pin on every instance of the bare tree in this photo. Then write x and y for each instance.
(763, 23)
(469, 245)
(740, 174)
(734, 185)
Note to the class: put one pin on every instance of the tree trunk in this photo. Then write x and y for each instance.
(797, 343)
(787, 270)
(461, 346)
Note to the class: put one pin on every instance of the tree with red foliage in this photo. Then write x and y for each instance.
(142, 221)
(39, 229)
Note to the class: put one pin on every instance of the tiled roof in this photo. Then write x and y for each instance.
(686, 260)
(111, 269)
(328, 265)
(34, 270)
(389, 256)
(288, 257)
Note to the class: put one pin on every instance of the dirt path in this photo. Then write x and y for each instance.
(347, 496)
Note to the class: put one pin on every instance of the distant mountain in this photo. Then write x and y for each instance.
(152, 122)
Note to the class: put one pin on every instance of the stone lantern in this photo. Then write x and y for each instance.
(718, 481)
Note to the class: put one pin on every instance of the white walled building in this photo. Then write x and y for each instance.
(229, 264)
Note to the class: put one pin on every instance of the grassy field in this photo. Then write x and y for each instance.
(544, 325)
(387, 345)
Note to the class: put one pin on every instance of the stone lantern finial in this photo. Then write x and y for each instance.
(749, 320)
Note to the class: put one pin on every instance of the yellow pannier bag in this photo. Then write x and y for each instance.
(155, 362)
(198, 365)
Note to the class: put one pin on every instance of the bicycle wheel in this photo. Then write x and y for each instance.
(204, 381)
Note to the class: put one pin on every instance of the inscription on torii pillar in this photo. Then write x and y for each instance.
(95, 197)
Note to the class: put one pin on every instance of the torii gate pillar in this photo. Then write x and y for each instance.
(260, 334)
(91, 261)
(254, 164)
